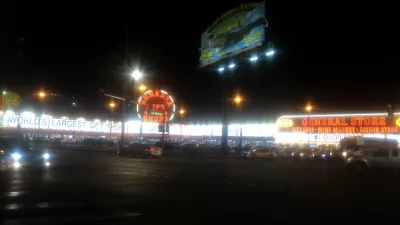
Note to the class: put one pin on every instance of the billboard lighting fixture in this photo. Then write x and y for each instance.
(270, 53)
(221, 69)
(232, 65)
(254, 58)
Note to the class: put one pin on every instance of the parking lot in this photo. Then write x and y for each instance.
(82, 185)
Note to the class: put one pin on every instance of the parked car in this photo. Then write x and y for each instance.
(259, 152)
(141, 150)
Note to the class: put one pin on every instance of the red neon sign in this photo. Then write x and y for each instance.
(156, 106)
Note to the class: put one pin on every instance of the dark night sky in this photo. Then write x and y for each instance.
(342, 56)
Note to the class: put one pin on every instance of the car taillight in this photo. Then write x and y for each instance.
(151, 149)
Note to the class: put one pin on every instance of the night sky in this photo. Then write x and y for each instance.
(343, 57)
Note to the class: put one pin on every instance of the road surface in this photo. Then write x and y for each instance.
(87, 187)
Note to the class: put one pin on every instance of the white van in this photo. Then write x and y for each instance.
(354, 145)
(373, 153)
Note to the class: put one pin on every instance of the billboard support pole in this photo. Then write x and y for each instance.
(224, 137)
(163, 125)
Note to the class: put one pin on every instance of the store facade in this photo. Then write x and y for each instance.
(331, 128)
(48, 126)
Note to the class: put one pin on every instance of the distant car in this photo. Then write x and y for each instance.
(259, 152)
(321, 154)
(303, 154)
(141, 150)
(15, 153)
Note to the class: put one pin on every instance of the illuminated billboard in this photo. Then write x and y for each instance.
(234, 32)
(156, 106)
(374, 123)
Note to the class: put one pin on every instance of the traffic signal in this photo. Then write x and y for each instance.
(100, 91)
(390, 110)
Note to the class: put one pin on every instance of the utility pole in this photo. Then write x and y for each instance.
(163, 123)
(125, 86)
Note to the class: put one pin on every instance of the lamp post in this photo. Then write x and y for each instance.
(181, 113)
(308, 110)
(141, 88)
(112, 106)
(136, 75)
(238, 100)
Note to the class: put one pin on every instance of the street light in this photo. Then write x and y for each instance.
(308, 108)
(142, 87)
(137, 74)
(42, 94)
(181, 113)
(237, 99)
(112, 105)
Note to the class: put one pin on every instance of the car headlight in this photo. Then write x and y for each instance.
(301, 154)
(344, 154)
(292, 153)
(323, 155)
(16, 156)
(350, 159)
(46, 156)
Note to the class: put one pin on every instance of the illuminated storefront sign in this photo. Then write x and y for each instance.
(58, 124)
(156, 106)
(29, 121)
(341, 124)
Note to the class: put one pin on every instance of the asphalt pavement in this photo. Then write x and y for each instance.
(87, 187)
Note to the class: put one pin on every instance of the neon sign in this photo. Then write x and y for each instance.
(338, 124)
(156, 106)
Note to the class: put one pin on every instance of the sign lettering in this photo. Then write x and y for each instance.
(343, 124)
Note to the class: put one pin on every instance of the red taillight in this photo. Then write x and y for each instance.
(151, 149)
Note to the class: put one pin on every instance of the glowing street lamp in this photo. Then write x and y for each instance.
(308, 108)
(42, 94)
(182, 111)
(142, 87)
(237, 99)
(137, 75)
(112, 105)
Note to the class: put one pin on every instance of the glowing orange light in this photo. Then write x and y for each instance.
(42, 94)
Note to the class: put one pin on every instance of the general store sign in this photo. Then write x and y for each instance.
(338, 124)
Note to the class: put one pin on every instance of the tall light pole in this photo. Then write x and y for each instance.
(181, 114)
(136, 75)
(141, 88)
(238, 100)
(112, 106)
(308, 110)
